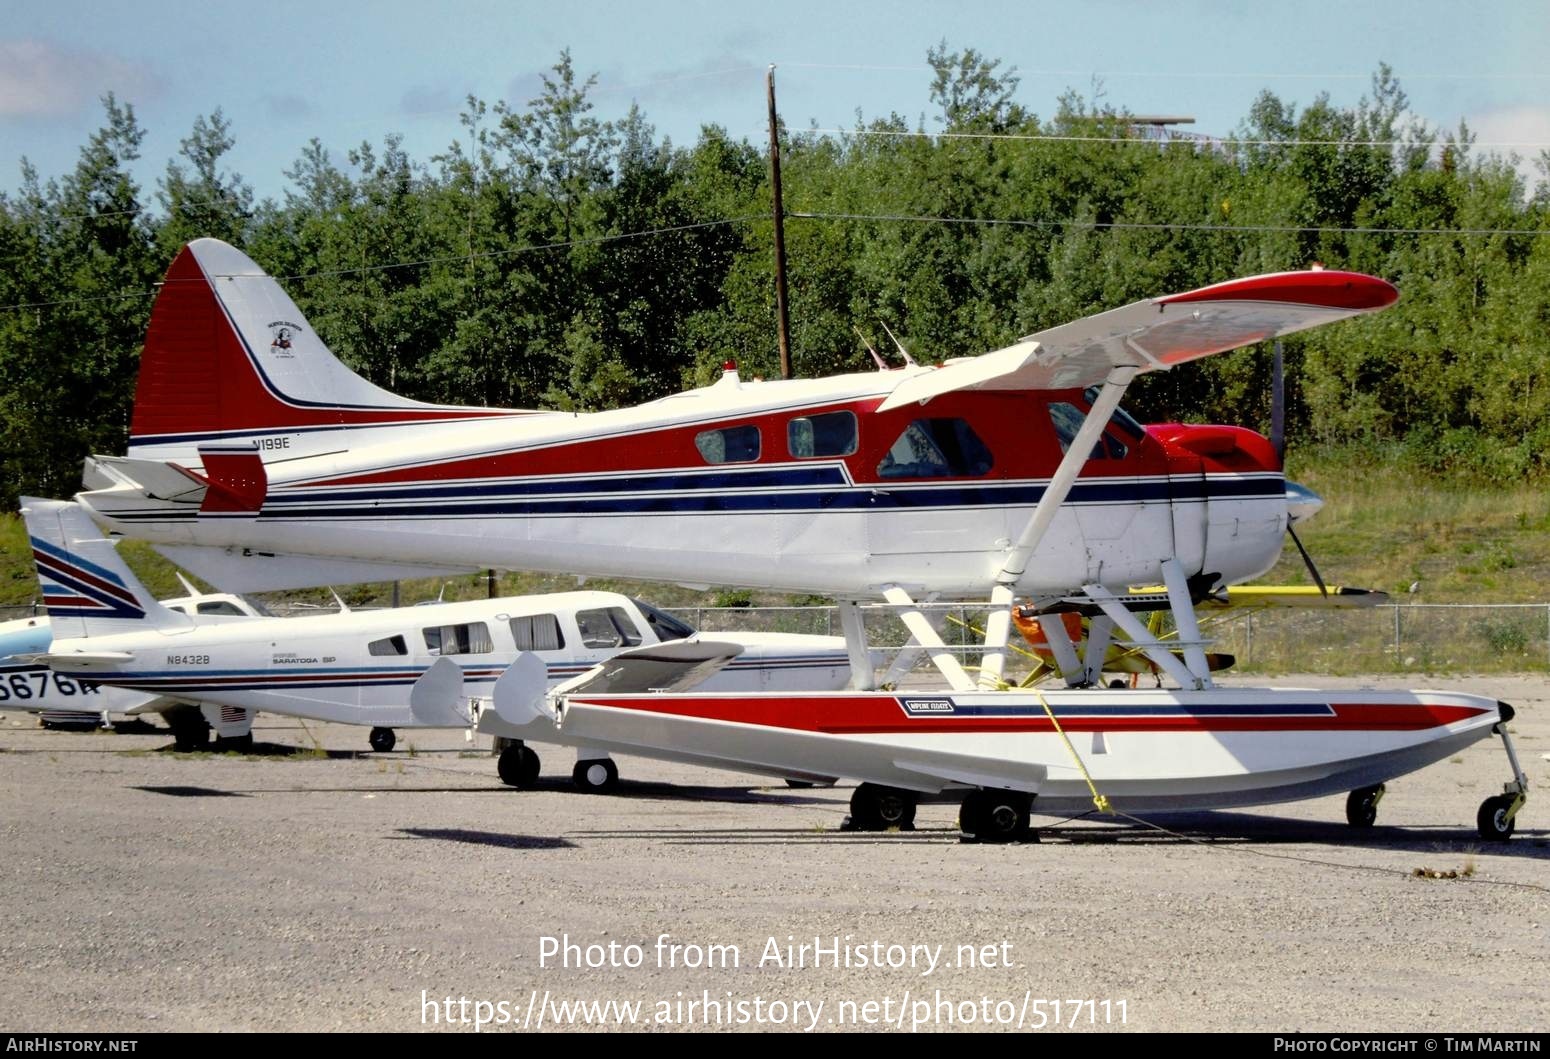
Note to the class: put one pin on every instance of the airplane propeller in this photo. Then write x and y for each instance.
(1301, 502)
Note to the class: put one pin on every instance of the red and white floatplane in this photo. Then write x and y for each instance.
(1012, 478)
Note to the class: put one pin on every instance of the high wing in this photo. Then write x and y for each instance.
(1158, 333)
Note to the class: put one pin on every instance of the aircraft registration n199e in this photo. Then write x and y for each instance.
(257, 459)
(427, 666)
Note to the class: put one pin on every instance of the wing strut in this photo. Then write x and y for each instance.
(926, 635)
(998, 624)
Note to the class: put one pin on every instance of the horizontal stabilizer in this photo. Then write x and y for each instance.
(82, 661)
(1157, 334)
(118, 480)
(436, 699)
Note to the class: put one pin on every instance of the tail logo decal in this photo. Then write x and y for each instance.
(280, 332)
(76, 588)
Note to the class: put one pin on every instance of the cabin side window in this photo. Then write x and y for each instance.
(537, 632)
(472, 638)
(607, 627)
(729, 444)
(387, 647)
(1067, 420)
(221, 607)
(936, 448)
(826, 434)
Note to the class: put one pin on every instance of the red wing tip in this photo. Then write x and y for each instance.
(1328, 288)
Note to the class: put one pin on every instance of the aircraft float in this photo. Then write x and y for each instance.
(257, 459)
(427, 666)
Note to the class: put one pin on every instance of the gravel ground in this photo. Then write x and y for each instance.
(300, 888)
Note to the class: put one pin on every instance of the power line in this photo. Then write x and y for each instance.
(389, 266)
(1160, 225)
(1227, 141)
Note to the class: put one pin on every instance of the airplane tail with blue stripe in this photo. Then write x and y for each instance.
(88, 590)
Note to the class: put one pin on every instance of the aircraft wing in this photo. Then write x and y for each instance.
(1158, 333)
(677, 665)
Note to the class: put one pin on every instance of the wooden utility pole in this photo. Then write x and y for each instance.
(783, 322)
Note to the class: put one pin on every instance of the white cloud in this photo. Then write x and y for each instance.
(40, 79)
(1521, 130)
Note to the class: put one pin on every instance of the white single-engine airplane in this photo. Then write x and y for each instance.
(257, 459)
(427, 666)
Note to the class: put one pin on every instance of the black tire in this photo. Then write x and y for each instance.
(1361, 806)
(877, 808)
(1491, 820)
(595, 775)
(995, 817)
(518, 766)
(382, 739)
(237, 744)
(190, 734)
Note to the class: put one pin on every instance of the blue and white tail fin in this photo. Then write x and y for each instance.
(87, 588)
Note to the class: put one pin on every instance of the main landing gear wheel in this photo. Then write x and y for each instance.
(995, 817)
(1361, 805)
(189, 733)
(596, 776)
(239, 744)
(1492, 820)
(877, 808)
(518, 766)
(382, 739)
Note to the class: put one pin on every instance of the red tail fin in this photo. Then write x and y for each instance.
(229, 356)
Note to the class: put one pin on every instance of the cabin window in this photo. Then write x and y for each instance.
(664, 624)
(472, 638)
(936, 448)
(827, 434)
(1068, 418)
(392, 645)
(179, 609)
(1121, 422)
(221, 607)
(537, 632)
(607, 627)
(729, 444)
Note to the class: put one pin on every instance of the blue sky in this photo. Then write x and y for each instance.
(344, 70)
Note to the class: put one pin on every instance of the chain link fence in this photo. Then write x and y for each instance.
(1393, 638)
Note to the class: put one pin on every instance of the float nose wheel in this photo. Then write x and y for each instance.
(518, 766)
(382, 739)
(1361, 805)
(596, 776)
(877, 808)
(1498, 814)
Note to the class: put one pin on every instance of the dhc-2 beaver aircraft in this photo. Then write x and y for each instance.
(427, 666)
(257, 459)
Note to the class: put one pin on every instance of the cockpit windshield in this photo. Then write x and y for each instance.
(662, 623)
